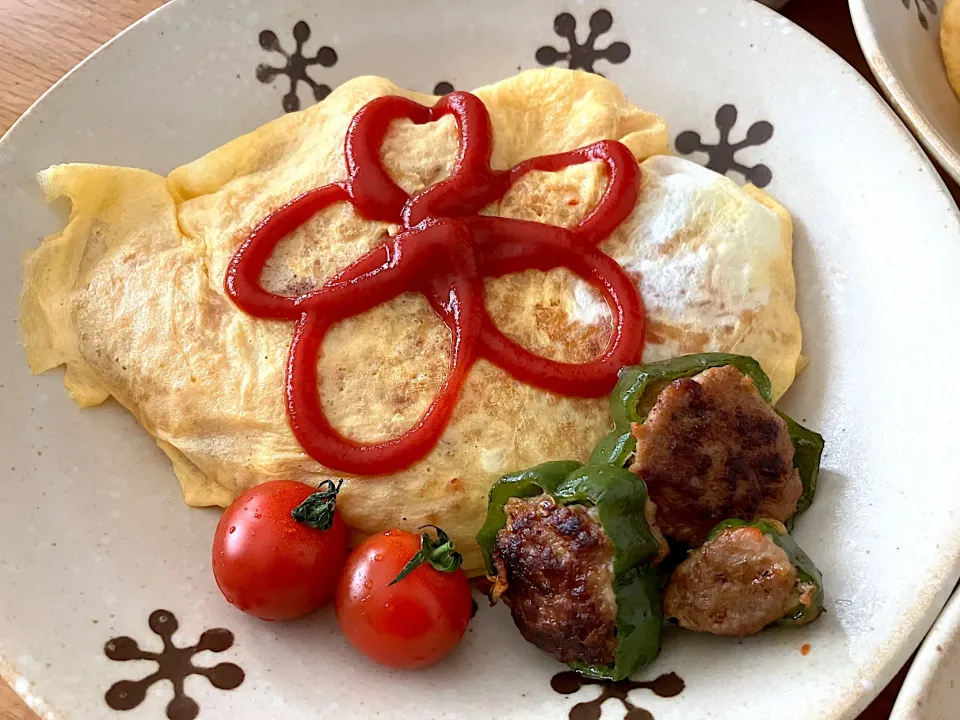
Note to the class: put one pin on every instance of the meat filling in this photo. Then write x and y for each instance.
(555, 571)
(736, 584)
(712, 449)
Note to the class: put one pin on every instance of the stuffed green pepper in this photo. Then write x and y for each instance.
(745, 577)
(701, 432)
(571, 548)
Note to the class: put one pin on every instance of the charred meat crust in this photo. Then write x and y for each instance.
(711, 449)
(555, 570)
(736, 584)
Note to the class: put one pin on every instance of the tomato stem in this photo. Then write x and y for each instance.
(317, 510)
(440, 554)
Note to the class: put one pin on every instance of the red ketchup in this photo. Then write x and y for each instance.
(444, 251)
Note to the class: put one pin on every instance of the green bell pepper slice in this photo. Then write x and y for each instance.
(615, 449)
(538, 480)
(639, 622)
(639, 386)
(807, 451)
(620, 498)
(807, 571)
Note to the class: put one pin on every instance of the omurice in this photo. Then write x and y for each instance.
(133, 296)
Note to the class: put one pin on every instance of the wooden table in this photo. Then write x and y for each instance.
(41, 39)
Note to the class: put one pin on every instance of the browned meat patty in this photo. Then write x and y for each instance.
(555, 570)
(650, 514)
(712, 449)
(736, 584)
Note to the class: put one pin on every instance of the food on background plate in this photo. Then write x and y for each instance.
(279, 549)
(132, 297)
(744, 577)
(573, 549)
(403, 600)
(950, 42)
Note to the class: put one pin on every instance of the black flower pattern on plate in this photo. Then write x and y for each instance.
(569, 682)
(173, 664)
(296, 65)
(582, 57)
(722, 157)
(929, 5)
(442, 88)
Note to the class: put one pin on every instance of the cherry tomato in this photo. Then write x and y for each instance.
(415, 621)
(272, 566)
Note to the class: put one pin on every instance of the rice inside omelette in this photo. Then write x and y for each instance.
(129, 298)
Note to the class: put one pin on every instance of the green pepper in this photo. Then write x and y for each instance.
(638, 387)
(614, 449)
(807, 450)
(620, 499)
(807, 572)
(637, 390)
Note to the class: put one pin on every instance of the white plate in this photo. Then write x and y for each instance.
(932, 688)
(901, 41)
(94, 536)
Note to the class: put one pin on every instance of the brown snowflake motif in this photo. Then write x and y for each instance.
(174, 664)
(929, 5)
(296, 65)
(569, 682)
(722, 157)
(582, 57)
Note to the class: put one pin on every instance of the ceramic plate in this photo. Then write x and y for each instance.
(96, 543)
(932, 688)
(901, 40)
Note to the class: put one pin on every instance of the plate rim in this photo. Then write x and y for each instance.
(928, 663)
(907, 109)
(35, 105)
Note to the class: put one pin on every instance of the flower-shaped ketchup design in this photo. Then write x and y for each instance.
(444, 250)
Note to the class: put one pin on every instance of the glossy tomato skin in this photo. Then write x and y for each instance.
(268, 564)
(409, 625)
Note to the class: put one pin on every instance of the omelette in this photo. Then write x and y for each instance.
(950, 43)
(130, 298)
